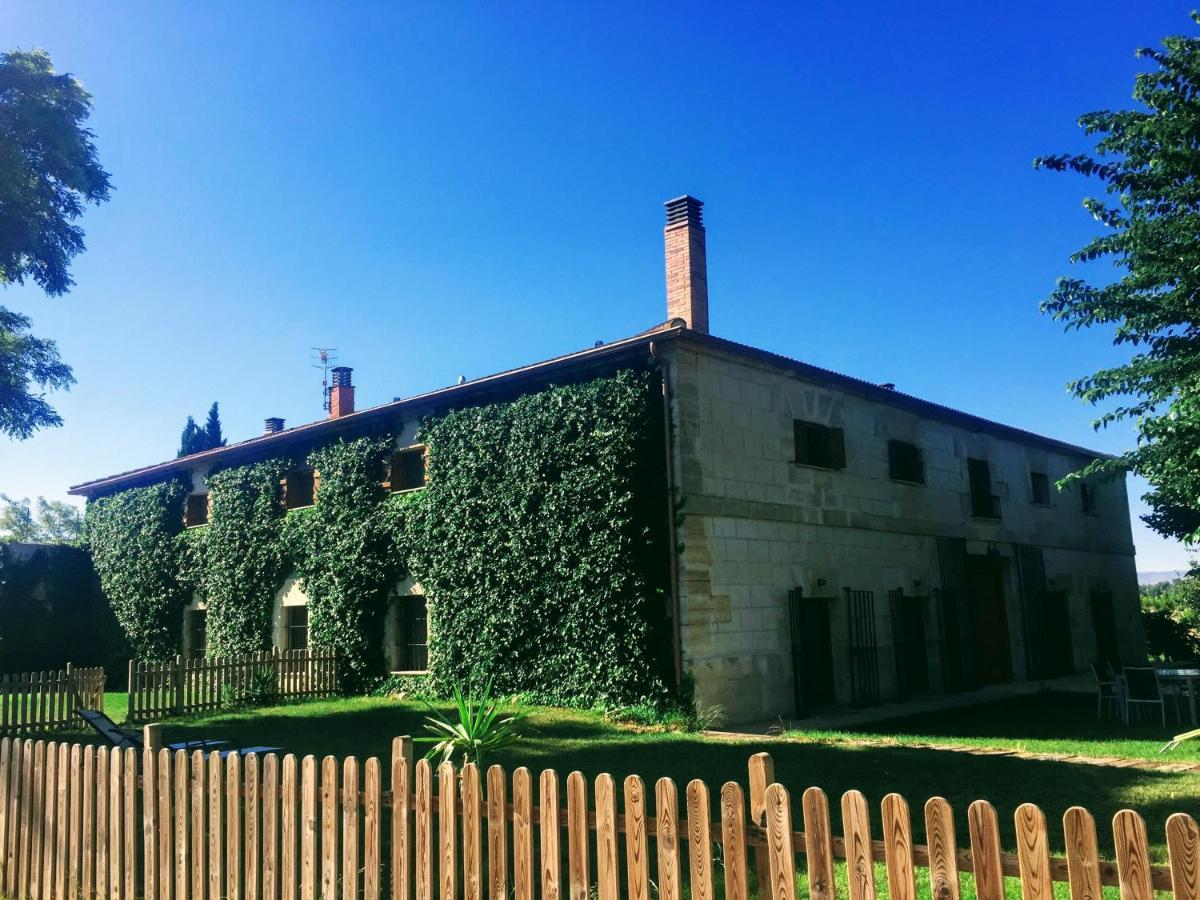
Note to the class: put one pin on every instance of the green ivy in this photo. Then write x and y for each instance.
(240, 561)
(540, 541)
(133, 537)
(345, 552)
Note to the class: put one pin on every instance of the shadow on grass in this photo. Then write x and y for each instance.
(567, 740)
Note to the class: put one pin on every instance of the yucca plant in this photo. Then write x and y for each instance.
(480, 728)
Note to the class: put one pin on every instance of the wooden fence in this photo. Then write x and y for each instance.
(78, 823)
(179, 686)
(42, 701)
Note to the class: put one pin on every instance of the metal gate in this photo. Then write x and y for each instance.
(908, 642)
(864, 650)
(812, 651)
(954, 610)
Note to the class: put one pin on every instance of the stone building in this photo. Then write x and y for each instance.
(837, 541)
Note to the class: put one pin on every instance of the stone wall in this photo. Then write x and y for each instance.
(756, 526)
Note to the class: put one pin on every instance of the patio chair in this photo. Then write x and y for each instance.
(126, 738)
(1142, 689)
(1106, 691)
(1179, 739)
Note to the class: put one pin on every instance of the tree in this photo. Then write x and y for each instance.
(1171, 617)
(195, 439)
(53, 522)
(48, 172)
(212, 429)
(26, 361)
(192, 439)
(1148, 162)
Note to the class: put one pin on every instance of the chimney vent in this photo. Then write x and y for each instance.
(687, 265)
(272, 425)
(341, 393)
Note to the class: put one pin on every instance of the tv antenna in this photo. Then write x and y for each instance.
(324, 358)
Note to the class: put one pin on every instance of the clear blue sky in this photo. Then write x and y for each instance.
(446, 189)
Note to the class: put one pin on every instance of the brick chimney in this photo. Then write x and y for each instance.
(341, 394)
(687, 268)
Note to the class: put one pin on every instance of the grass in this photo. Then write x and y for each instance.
(574, 739)
(1053, 722)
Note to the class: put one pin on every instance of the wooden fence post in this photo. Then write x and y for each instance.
(152, 736)
(762, 776)
(177, 684)
(130, 687)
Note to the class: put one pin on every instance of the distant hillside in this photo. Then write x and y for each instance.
(1156, 577)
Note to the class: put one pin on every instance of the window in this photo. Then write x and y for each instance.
(819, 445)
(413, 634)
(197, 621)
(196, 512)
(408, 469)
(1087, 498)
(300, 488)
(984, 504)
(295, 627)
(1039, 484)
(906, 462)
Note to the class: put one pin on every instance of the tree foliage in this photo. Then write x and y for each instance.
(49, 171)
(195, 439)
(1148, 162)
(50, 522)
(29, 366)
(1171, 616)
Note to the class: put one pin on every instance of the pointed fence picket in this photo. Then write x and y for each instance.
(158, 690)
(78, 822)
(45, 701)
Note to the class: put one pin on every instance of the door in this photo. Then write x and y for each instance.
(1104, 621)
(1058, 629)
(812, 651)
(908, 642)
(985, 588)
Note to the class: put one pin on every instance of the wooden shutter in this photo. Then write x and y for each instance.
(800, 436)
(837, 448)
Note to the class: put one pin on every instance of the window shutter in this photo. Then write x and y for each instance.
(800, 436)
(893, 465)
(837, 448)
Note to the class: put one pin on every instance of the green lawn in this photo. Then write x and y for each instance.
(573, 739)
(1057, 723)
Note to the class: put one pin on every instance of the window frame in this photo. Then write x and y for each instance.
(286, 491)
(1088, 499)
(289, 626)
(894, 461)
(824, 445)
(984, 503)
(407, 650)
(194, 614)
(392, 468)
(187, 509)
(1034, 477)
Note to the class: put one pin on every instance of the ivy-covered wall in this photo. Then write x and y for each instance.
(134, 538)
(540, 542)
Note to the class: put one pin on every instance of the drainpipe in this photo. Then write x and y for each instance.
(676, 630)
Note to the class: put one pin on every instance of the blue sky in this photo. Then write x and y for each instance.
(446, 189)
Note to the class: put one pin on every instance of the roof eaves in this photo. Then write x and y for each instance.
(667, 329)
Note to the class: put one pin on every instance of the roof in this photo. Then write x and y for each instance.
(666, 332)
